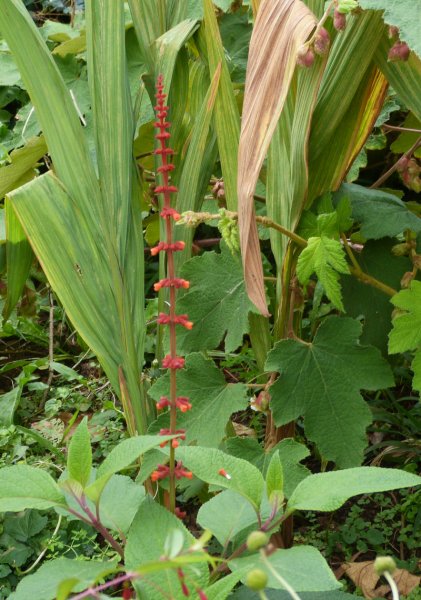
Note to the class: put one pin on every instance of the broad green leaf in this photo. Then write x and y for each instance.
(24, 487)
(213, 401)
(377, 260)
(25, 525)
(19, 258)
(9, 72)
(43, 584)
(23, 161)
(9, 401)
(206, 464)
(119, 502)
(230, 517)
(406, 333)
(303, 567)
(220, 590)
(380, 213)
(322, 380)
(79, 458)
(275, 479)
(329, 491)
(226, 115)
(325, 257)
(404, 14)
(146, 542)
(290, 452)
(121, 456)
(217, 302)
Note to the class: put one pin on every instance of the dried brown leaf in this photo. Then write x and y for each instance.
(365, 577)
(281, 28)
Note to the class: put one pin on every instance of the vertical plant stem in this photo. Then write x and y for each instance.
(392, 583)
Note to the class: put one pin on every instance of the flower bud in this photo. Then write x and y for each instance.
(384, 563)
(305, 57)
(347, 6)
(322, 41)
(339, 20)
(399, 52)
(393, 31)
(256, 580)
(407, 279)
(256, 540)
(401, 249)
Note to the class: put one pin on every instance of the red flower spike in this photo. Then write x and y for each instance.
(164, 151)
(165, 168)
(183, 403)
(181, 514)
(164, 247)
(181, 433)
(161, 472)
(176, 282)
(181, 472)
(167, 213)
(176, 362)
(223, 473)
(164, 319)
(163, 402)
(161, 189)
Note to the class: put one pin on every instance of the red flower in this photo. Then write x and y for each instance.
(175, 282)
(176, 362)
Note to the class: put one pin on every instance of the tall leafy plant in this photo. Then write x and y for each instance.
(83, 219)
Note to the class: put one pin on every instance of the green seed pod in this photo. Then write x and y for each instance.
(256, 540)
(383, 564)
(256, 580)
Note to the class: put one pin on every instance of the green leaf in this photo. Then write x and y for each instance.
(146, 542)
(19, 257)
(303, 567)
(407, 139)
(322, 381)
(43, 584)
(207, 462)
(326, 258)
(213, 401)
(404, 14)
(23, 161)
(245, 593)
(120, 457)
(230, 517)
(290, 452)
(24, 487)
(406, 332)
(217, 302)
(24, 526)
(79, 461)
(275, 480)
(377, 260)
(120, 502)
(381, 214)
(220, 590)
(8, 404)
(329, 491)
(227, 118)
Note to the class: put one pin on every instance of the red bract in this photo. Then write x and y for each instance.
(173, 362)
(174, 282)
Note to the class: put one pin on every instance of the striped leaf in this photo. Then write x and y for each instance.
(282, 26)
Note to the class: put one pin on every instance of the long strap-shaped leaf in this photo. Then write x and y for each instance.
(54, 106)
(282, 26)
(227, 118)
